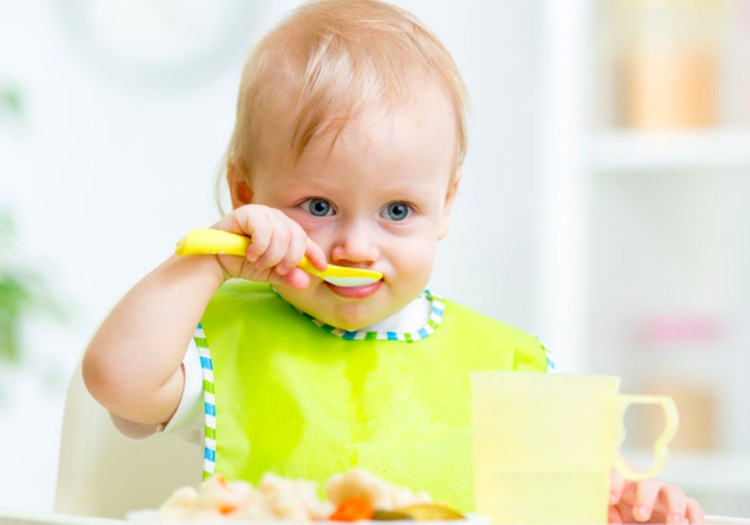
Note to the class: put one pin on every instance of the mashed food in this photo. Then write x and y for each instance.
(357, 494)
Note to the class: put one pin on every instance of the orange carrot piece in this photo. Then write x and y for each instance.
(353, 509)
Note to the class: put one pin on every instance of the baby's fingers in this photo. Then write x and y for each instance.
(617, 486)
(252, 221)
(296, 246)
(614, 515)
(271, 240)
(296, 277)
(316, 255)
(676, 504)
(647, 493)
(695, 514)
(277, 245)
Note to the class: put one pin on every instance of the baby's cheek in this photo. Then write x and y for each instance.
(415, 271)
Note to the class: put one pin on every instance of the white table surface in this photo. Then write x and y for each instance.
(11, 517)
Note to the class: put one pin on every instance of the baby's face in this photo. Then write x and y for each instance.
(379, 198)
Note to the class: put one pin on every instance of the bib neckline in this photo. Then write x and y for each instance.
(437, 309)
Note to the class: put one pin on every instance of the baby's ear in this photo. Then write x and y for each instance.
(450, 198)
(239, 186)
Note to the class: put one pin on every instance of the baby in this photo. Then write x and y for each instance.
(348, 145)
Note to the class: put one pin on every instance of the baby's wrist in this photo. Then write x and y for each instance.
(223, 273)
(199, 268)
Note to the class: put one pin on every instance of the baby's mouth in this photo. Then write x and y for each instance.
(355, 292)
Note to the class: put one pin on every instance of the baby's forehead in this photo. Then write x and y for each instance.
(429, 110)
(427, 105)
(314, 75)
(400, 141)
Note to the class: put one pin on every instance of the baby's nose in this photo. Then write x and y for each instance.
(355, 244)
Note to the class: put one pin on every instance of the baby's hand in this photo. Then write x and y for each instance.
(650, 501)
(278, 245)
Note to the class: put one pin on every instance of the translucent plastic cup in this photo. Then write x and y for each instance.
(545, 444)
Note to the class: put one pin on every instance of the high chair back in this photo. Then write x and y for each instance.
(102, 473)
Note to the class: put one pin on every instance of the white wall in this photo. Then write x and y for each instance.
(103, 175)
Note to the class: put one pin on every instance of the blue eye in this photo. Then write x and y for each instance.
(317, 207)
(396, 211)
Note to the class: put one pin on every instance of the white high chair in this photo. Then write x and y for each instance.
(102, 473)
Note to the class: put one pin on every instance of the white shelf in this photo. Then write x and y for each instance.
(628, 151)
(575, 157)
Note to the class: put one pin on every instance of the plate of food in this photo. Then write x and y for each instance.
(357, 495)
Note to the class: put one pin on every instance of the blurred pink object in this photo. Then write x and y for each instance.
(675, 328)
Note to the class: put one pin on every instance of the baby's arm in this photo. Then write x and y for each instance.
(133, 363)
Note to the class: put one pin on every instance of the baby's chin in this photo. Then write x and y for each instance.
(350, 323)
(354, 317)
(343, 314)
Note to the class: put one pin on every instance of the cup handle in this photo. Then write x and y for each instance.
(671, 422)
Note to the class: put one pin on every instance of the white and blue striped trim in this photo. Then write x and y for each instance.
(209, 403)
(436, 316)
(547, 354)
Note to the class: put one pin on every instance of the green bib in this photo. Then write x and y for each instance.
(287, 395)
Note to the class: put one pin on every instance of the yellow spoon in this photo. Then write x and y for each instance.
(207, 240)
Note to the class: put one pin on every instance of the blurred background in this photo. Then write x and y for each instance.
(604, 205)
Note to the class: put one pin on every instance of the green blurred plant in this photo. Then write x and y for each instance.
(11, 103)
(23, 291)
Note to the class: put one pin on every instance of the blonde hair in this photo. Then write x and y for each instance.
(325, 62)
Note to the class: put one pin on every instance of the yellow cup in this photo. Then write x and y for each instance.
(545, 444)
